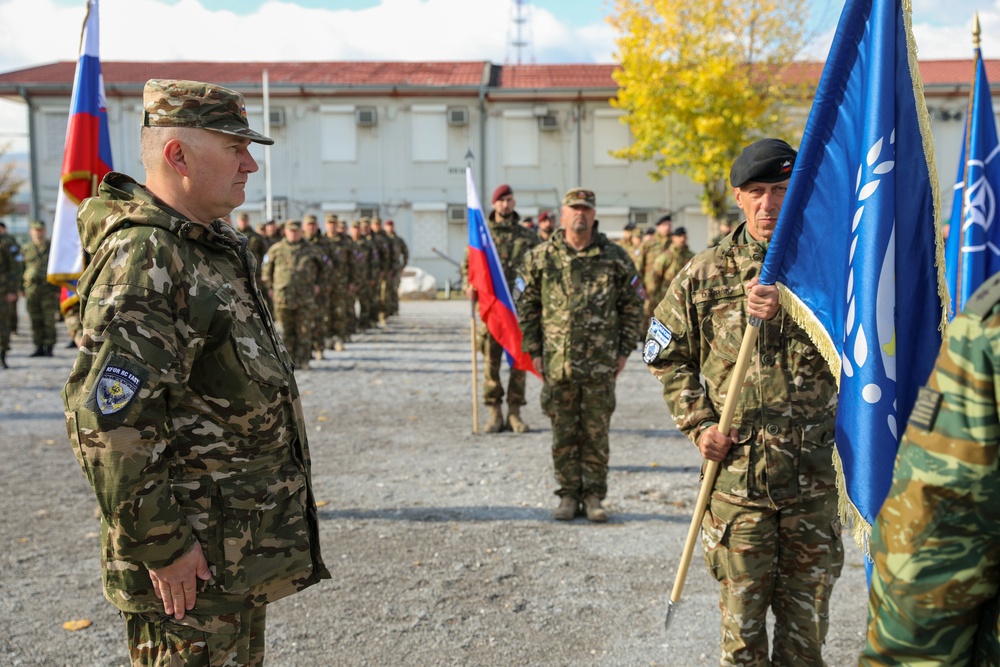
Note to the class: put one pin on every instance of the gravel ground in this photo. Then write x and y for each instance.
(440, 541)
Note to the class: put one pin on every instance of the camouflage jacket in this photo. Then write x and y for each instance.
(387, 253)
(402, 252)
(36, 267)
(13, 261)
(512, 242)
(579, 310)
(342, 261)
(183, 412)
(645, 260)
(665, 267)
(292, 270)
(323, 248)
(785, 413)
(933, 597)
(258, 246)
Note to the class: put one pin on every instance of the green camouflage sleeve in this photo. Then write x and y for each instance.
(676, 360)
(528, 296)
(630, 305)
(134, 359)
(933, 598)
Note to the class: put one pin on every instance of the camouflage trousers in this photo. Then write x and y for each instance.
(341, 322)
(392, 294)
(366, 306)
(321, 322)
(785, 559)
(296, 331)
(227, 640)
(492, 384)
(581, 416)
(42, 304)
(5, 309)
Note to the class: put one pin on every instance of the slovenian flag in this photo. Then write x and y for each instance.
(972, 252)
(855, 250)
(496, 307)
(86, 159)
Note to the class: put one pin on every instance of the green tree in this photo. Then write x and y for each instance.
(700, 79)
(9, 183)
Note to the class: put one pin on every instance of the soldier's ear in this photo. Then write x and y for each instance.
(175, 155)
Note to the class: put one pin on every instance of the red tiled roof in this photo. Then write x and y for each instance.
(58, 77)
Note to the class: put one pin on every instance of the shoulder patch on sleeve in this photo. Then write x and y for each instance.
(659, 332)
(650, 351)
(519, 286)
(638, 287)
(117, 386)
(926, 408)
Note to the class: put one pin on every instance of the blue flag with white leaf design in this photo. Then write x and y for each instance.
(855, 250)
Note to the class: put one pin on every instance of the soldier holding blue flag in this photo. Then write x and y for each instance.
(771, 534)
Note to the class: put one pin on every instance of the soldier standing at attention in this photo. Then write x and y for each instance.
(546, 226)
(580, 303)
(342, 299)
(666, 266)
(321, 246)
(724, 230)
(182, 408)
(255, 242)
(771, 533)
(40, 296)
(512, 242)
(402, 254)
(9, 285)
(934, 596)
(292, 272)
(387, 259)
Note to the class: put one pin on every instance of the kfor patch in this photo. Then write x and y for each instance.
(116, 388)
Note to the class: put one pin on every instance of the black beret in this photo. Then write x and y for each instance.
(764, 161)
(666, 217)
(680, 231)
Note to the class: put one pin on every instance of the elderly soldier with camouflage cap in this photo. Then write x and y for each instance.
(771, 534)
(512, 242)
(935, 590)
(40, 296)
(580, 303)
(182, 408)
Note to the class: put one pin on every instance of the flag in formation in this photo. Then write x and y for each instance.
(972, 252)
(496, 306)
(87, 156)
(856, 244)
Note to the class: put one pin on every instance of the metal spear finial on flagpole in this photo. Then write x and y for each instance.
(976, 32)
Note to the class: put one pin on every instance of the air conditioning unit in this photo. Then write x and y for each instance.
(548, 122)
(277, 117)
(365, 117)
(642, 219)
(457, 214)
(458, 115)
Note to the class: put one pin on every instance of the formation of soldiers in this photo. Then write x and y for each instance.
(326, 285)
(23, 270)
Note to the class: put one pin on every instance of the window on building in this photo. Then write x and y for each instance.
(338, 133)
(430, 132)
(54, 125)
(520, 138)
(610, 134)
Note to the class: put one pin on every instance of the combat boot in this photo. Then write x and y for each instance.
(48, 350)
(39, 352)
(566, 510)
(595, 513)
(338, 347)
(3, 359)
(514, 421)
(494, 423)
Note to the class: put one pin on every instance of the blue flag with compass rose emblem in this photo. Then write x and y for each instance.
(854, 251)
(972, 252)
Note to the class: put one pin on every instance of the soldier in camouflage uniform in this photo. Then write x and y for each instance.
(771, 534)
(40, 296)
(387, 259)
(645, 262)
(667, 265)
(182, 408)
(401, 253)
(293, 273)
(11, 245)
(935, 590)
(9, 285)
(364, 264)
(580, 303)
(546, 226)
(341, 298)
(255, 242)
(724, 230)
(512, 243)
(321, 321)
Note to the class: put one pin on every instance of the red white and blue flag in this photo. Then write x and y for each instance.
(496, 306)
(87, 157)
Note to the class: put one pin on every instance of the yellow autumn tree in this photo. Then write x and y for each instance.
(9, 183)
(700, 79)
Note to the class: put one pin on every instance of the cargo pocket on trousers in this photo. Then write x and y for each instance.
(713, 537)
(265, 533)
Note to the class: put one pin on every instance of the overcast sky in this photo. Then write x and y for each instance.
(556, 31)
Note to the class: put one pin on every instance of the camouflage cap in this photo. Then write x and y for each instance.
(36, 224)
(177, 103)
(293, 225)
(579, 197)
(309, 219)
(332, 217)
